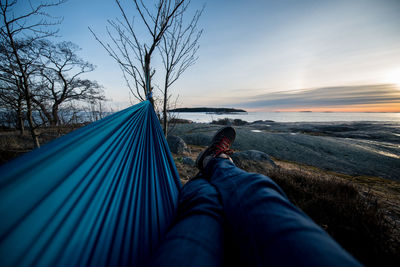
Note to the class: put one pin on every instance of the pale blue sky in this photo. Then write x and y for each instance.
(255, 47)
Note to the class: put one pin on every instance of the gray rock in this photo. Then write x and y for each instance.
(188, 161)
(366, 148)
(177, 145)
(253, 155)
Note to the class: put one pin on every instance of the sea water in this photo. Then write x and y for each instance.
(292, 116)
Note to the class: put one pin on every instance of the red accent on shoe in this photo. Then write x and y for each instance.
(221, 143)
(223, 147)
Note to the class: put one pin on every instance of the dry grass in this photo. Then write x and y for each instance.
(186, 172)
(352, 214)
(12, 144)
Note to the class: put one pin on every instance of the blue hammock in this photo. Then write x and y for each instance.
(101, 195)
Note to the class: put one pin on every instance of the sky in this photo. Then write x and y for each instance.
(262, 55)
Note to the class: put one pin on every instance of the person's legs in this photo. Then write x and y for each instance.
(196, 237)
(266, 227)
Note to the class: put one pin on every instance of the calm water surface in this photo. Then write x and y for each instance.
(293, 116)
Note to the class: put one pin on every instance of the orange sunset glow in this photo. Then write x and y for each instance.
(359, 98)
(394, 107)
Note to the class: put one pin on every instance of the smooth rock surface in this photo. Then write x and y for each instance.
(355, 148)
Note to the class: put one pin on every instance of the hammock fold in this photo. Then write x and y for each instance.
(102, 195)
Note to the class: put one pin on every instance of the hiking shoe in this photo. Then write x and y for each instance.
(220, 144)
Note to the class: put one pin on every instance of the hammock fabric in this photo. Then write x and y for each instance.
(101, 195)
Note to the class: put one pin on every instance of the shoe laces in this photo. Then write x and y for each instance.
(222, 146)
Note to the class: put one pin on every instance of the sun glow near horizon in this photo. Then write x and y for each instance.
(394, 108)
(362, 98)
(393, 77)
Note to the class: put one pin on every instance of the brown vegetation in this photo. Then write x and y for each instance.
(13, 144)
(351, 213)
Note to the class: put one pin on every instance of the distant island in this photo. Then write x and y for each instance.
(209, 110)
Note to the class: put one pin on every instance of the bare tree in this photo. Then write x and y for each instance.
(11, 94)
(12, 100)
(35, 23)
(60, 78)
(178, 50)
(134, 54)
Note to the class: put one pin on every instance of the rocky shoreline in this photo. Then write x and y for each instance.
(354, 148)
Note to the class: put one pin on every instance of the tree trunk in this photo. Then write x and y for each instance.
(20, 119)
(149, 95)
(21, 125)
(55, 119)
(35, 138)
(165, 115)
(27, 95)
(44, 112)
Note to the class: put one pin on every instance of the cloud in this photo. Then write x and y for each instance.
(327, 97)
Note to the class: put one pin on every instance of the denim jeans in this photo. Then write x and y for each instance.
(229, 217)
